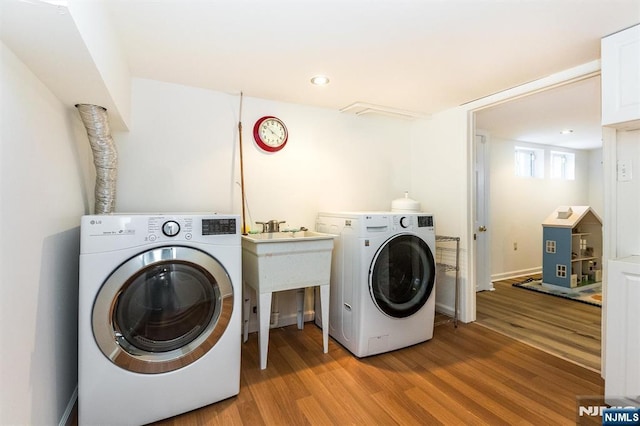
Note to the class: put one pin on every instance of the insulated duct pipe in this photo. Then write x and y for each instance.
(105, 156)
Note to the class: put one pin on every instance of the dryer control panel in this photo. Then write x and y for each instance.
(219, 226)
(119, 231)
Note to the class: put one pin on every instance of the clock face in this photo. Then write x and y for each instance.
(270, 133)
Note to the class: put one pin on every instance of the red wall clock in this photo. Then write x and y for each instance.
(270, 133)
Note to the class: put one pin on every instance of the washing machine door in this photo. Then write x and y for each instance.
(162, 309)
(402, 275)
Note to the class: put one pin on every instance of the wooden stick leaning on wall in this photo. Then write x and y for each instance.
(244, 223)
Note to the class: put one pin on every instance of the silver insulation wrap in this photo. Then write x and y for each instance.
(105, 156)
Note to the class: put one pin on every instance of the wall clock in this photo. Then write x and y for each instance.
(270, 133)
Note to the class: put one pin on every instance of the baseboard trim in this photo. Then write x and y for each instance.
(444, 309)
(283, 320)
(516, 274)
(66, 416)
(291, 319)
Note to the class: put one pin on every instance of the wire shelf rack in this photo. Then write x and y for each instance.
(448, 259)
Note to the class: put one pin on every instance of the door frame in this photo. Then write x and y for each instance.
(578, 73)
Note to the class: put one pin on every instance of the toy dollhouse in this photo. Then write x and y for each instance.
(572, 247)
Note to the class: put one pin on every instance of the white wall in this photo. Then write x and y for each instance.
(181, 154)
(43, 196)
(518, 206)
(94, 25)
(596, 181)
(439, 180)
(628, 195)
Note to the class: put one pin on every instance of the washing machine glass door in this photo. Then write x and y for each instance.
(402, 275)
(162, 309)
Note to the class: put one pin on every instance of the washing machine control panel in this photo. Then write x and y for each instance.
(413, 221)
(425, 221)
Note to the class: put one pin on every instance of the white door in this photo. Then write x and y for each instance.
(622, 372)
(481, 231)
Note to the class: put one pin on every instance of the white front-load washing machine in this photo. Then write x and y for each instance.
(159, 315)
(382, 279)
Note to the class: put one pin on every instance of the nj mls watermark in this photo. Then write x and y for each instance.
(594, 410)
(621, 416)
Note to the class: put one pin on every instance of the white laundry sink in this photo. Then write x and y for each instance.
(278, 261)
(288, 235)
(285, 261)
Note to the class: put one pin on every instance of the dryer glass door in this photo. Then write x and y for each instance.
(163, 309)
(166, 307)
(402, 275)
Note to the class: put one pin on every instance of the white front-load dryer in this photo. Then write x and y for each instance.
(382, 279)
(159, 315)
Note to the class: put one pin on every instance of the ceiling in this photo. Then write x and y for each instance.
(417, 56)
(542, 117)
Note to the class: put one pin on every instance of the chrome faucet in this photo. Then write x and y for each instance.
(271, 226)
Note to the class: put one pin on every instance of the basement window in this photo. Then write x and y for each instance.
(529, 162)
(563, 165)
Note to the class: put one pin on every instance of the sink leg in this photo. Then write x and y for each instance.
(300, 303)
(324, 308)
(264, 316)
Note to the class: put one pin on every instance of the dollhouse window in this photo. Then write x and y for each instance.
(561, 271)
(550, 246)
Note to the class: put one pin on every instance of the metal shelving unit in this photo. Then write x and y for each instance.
(446, 263)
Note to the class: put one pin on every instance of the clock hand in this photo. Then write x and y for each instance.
(273, 132)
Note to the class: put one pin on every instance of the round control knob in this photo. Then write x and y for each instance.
(405, 222)
(171, 228)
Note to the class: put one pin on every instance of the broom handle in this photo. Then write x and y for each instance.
(244, 223)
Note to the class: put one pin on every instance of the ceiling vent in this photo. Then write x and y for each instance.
(363, 108)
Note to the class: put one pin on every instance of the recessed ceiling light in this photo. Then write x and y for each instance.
(566, 131)
(320, 80)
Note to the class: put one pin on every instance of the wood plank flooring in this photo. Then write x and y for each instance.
(464, 375)
(566, 328)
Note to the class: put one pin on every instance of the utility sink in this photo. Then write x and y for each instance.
(281, 261)
(283, 242)
(288, 235)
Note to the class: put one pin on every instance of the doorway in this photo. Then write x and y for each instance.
(515, 207)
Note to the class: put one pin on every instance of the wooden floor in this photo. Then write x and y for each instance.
(563, 327)
(464, 375)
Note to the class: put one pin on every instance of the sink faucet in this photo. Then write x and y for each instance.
(271, 226)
